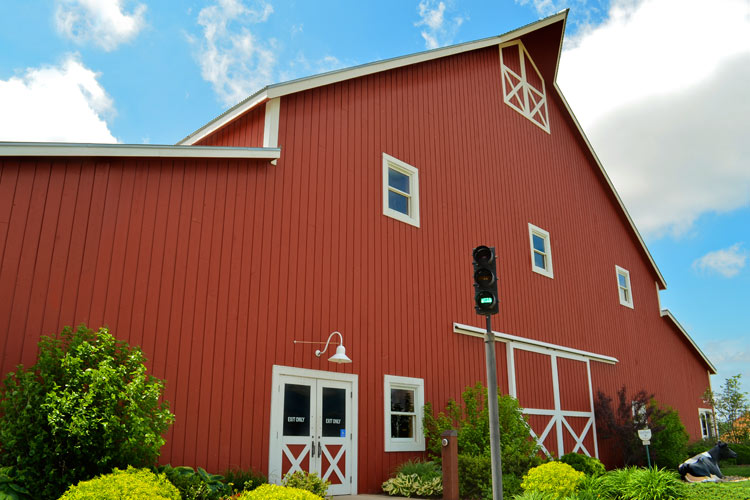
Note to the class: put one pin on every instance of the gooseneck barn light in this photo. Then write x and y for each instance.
(339, 357)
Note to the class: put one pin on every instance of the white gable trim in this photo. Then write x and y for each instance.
(299, 85)
(535, 345)
(134, 150)
(271, 126)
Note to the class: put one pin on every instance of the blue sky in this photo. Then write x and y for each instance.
(658, 85)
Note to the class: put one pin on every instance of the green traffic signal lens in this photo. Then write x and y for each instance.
(485, 300)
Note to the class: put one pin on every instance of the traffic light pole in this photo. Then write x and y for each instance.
(497, 465)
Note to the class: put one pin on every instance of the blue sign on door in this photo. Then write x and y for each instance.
(343, 433)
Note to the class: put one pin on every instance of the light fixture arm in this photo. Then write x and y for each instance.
(319, 353)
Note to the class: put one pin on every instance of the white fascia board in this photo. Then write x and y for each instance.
(134, 150)
(310, 82)
(474, 331)
(668, 314)
(662, 281)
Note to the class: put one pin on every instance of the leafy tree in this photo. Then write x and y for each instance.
(85, 407)
(731, 405)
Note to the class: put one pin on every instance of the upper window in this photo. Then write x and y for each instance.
(541, 253)
(400, 190)
(404, 399)
(523, 85)
(706, 416)
(623, 287)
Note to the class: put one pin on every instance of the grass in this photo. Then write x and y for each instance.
(719, 491)
(736, 470)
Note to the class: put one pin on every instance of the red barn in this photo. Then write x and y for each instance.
(350, 202)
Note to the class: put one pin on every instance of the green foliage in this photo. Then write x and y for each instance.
(534, 495)
(423, 469)
(10, 486)
(408, 485)
(743, 452)
(583, 463)
(654, 484)
(731, 404)
(196, 484)
(471, 420)
(593, 488)
(700, 446)
(85, 407)
(131, 484)
(736, 470)
(276, 492)
(669, 442)
(306, 481)
(718, 491)
(616, 481)
(557, 479)
(244, 480)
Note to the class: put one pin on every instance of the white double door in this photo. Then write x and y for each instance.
(312, 427)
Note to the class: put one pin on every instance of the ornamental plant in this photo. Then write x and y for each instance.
(276, 492)
(556, 479)
(583, 463)
(86, 407)
(130, 484)
(408, 485)
(306, 481)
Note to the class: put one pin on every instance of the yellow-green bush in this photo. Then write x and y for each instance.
(556, 479)
(276, 492)
(131, 484)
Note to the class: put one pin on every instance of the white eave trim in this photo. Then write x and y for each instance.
(474, 331)
(662, 281)
(134, 150)
(310, 82)
(668, 314)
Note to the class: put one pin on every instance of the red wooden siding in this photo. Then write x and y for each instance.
(245, 130)
(215, 267)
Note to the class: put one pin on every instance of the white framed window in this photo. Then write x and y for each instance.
(708, 426)
(541, 252)
(404, 405)
(623, 287)
(400, 190)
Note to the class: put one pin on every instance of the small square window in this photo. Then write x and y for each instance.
(400, 190)
(541, 253)
(404, 401)
(623, 287)
(708, 427)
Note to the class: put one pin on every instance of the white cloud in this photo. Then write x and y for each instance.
(103, 22)
(62, 103)
(231, 57)
(728, 262)
(438, 31)
(660, 89)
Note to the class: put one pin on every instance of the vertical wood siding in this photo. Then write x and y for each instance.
(216, 267)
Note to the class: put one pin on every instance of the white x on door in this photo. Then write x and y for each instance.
(312, 429)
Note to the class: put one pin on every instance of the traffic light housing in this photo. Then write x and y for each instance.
(486, 302)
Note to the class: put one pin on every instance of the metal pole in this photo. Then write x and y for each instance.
(648, 457)
(497, 464)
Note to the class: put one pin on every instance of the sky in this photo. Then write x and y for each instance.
(660, 87)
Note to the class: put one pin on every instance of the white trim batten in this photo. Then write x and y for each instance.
(134, 150)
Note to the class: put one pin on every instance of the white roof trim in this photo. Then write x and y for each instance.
(134, 150)
(662, 281)
(668, 314)
(474, 331)
(310, 82)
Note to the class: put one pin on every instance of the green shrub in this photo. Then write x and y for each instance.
(654, 484)
(10, 486)
(743, 453)
(423, 469)
(85, 407)
(700, 446)
(616, 481)
(408, 485)
(131, 484)
(196, 484)
(306, 481)
(275, 492)
(669, 443)
(593, 488)
(534, 495)
(556, 479)
(583, 463)
(471, 420)
(244, 480)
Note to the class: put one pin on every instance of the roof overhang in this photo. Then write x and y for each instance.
(310, 82)
(134, 150)
(667, 314)
(474, 331)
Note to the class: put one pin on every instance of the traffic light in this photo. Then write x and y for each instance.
(485, 281)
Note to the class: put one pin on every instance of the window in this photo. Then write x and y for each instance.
(623, 287)
(404, 401)
(400, 190)
(541, 254)
(708, 426)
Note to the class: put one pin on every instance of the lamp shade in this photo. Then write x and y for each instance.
(340, 356)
